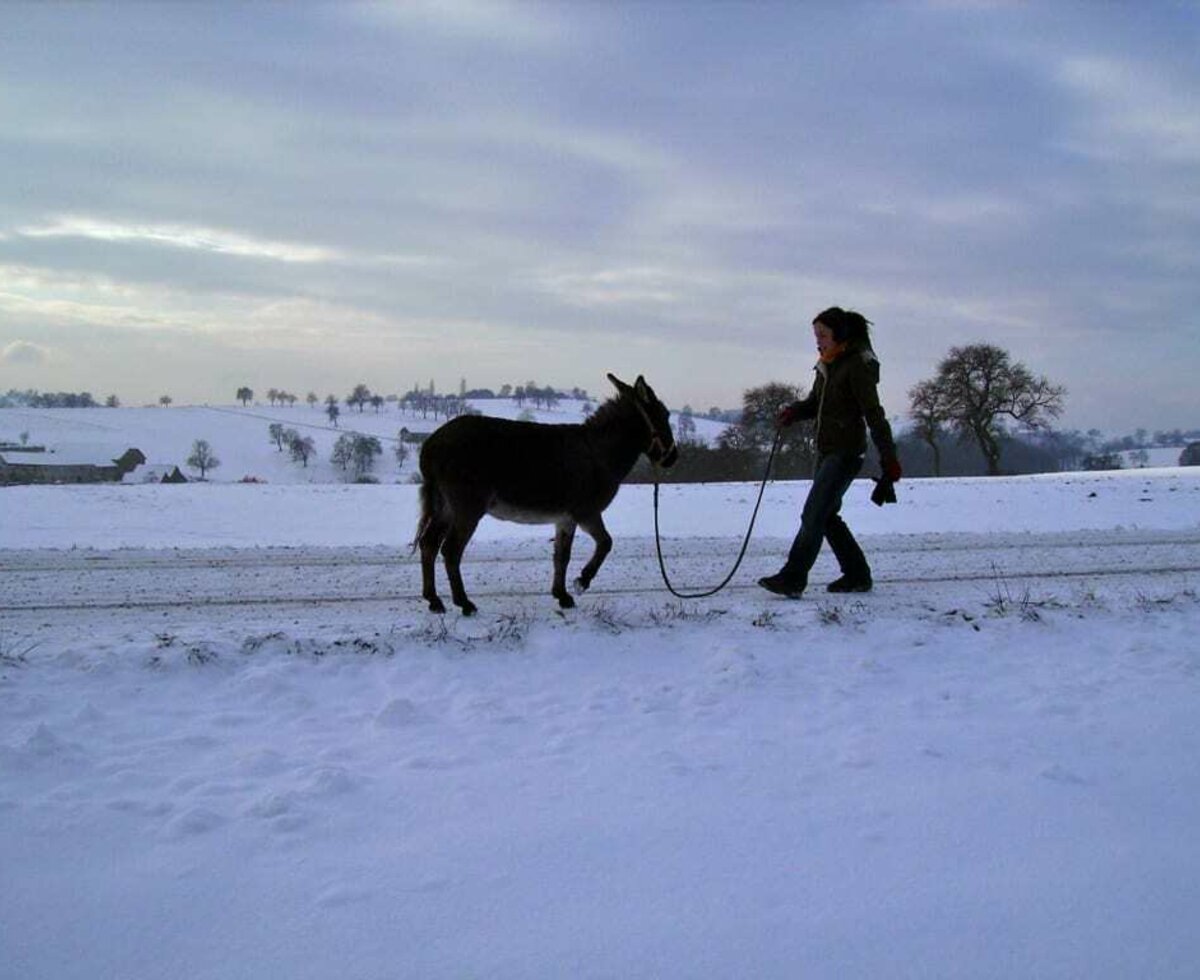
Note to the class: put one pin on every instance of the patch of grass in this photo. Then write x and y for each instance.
(682, 612)
(1003, 602)
(252, 644)
(510, 628)
(832, 614)
(829, 614)
(15, 651)
(199, 655)
(1147, 603)
(766, 620)
(602, 615)
(366, 646)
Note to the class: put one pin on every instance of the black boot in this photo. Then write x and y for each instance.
(782, 585)
(850, 583)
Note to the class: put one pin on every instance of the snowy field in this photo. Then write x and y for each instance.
(233, 743)
(240, 435)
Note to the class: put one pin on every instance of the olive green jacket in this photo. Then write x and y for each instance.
(844, 401)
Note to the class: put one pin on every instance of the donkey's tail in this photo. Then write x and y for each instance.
(429, 504)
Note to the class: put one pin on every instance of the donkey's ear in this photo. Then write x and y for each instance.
(642, 390)
(620, 385)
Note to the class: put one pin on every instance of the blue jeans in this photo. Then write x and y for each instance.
(820, 520)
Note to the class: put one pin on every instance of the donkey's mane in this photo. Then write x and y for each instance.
(617, 408)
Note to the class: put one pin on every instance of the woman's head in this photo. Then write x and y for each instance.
(844, 326)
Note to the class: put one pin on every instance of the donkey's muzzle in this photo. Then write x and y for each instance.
(668, 459)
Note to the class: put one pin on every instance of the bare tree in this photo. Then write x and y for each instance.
(357, 449)
(359, 396)
(302, 448)
(363, 453)
(245, 395)
(343, 450)
(979, 386)
(165, 401)
(928, 413)
(202, 457)
(755, 431)
(401, 449)
(685, 427)
(756, 427)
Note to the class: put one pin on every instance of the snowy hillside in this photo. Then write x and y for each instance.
(1159, 456)
(240, 437)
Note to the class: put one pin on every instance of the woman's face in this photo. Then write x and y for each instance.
(824, 337)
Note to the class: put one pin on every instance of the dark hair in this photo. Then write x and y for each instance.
(846, 325)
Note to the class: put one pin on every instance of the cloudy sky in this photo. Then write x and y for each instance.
(197, 196)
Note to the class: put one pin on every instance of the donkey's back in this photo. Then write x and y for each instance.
(518, 471)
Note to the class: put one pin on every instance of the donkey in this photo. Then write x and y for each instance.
(534, 473)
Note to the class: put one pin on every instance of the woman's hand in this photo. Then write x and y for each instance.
(787, 415)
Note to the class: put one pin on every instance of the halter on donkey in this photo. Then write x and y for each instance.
(534, 473)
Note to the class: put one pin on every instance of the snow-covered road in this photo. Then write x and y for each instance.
(505, 574)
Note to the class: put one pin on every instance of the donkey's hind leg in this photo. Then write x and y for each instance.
(599, 533)
(563, 537)
(455, 543)
(430, 541)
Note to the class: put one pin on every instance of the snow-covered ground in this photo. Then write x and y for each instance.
(234, 744)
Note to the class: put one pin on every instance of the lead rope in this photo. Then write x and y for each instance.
(745, 543)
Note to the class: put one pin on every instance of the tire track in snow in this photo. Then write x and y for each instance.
(679, 548)
(406, 597)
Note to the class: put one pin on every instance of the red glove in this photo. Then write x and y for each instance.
(787, 415)
(891, 469)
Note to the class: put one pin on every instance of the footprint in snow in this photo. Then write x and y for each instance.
(338, 896)
(400, 713)
(1064, 776)
(193, 823)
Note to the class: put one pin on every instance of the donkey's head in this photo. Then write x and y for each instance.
(660, 446)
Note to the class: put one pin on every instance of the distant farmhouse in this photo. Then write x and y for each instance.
(36, 464)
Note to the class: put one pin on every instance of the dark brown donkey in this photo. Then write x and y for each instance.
(535, 474)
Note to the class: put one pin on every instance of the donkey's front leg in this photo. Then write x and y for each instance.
(563, 537)
(599, 533)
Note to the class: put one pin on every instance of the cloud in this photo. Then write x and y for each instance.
(24, 352)
(495, 21)
(1134, 114)
(180, 236)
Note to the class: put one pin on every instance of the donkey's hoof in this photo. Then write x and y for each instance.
(565, 601)
(581, 585)
(468, 608)
(436, 605)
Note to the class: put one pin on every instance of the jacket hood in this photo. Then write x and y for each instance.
(855, 348)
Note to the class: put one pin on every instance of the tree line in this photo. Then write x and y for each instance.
(425, 400)
(353, 452)
(58, 399)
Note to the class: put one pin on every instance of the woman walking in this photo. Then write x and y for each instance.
(844, 402)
